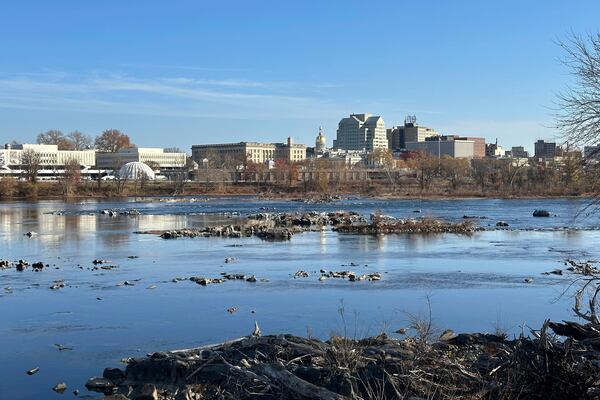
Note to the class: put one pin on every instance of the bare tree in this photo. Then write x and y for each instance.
(579, 106)
(71, 177)
(54, 136)
(79, 141)
(31, 164)
(112, 140)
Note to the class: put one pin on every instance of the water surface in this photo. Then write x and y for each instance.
(475, 282)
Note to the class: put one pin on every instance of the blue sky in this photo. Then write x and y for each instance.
(178, 73)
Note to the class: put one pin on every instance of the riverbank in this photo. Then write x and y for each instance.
(20, 190)
(466, 366)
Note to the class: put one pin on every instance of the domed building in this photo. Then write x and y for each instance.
(320, 142)
(135, 171)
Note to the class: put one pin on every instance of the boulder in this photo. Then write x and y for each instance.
(541, 213)
(101, 385)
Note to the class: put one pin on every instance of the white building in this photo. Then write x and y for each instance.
(51, 161)
(166, 162)
(361, 132)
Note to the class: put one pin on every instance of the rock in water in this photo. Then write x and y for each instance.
(541, 213)
(101, 385)
(60, 388)
(33, 371)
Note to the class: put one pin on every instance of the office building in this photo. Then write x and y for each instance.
(235, 153)
(519, 152)
(361, 132)
(545, 150)
(440, 146)
(398, 136)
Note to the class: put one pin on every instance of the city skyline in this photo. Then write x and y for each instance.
(269, 70)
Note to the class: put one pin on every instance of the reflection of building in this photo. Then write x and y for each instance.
(155, 157)
(398, 136)
(236, 153)
(361, 132)
(545, 149)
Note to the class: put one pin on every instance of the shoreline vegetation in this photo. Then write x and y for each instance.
(12, 190)
(559, 360)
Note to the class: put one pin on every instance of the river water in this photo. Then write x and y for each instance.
(474, 283)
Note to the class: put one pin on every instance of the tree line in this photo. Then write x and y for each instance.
(110, 140)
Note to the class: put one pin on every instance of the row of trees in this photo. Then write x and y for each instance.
(110, 140)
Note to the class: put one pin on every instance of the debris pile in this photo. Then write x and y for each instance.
(386, 224)
(469, 366)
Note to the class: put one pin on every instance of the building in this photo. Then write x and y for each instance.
(361, 132)
(398, 136)
(592, 152)
(154, 156)
(545, 149)
(478, 145)
(51, 161)
(259, 153)
(519, 152)
(440, 146)
(320, 142)
(494, 150)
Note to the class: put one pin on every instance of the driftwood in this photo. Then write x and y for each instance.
(467, 366)
(295, 387)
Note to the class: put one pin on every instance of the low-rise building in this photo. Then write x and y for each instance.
(51, 161)
(519, 152)
(236, 153)
(440, 146)
(153, 156)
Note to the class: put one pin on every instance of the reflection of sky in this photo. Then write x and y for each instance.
(474, 280)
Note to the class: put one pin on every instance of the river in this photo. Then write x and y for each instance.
(474, 283)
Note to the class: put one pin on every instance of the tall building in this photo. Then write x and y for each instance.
(398, 136)
(545, 149)
(361, 132)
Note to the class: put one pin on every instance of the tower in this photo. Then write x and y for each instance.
(320, 142)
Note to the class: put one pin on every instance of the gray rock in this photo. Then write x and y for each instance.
(144, 392)
(101, 385)
(60, 388)
(115, 375)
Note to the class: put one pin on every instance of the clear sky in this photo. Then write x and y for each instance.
(177, 73)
